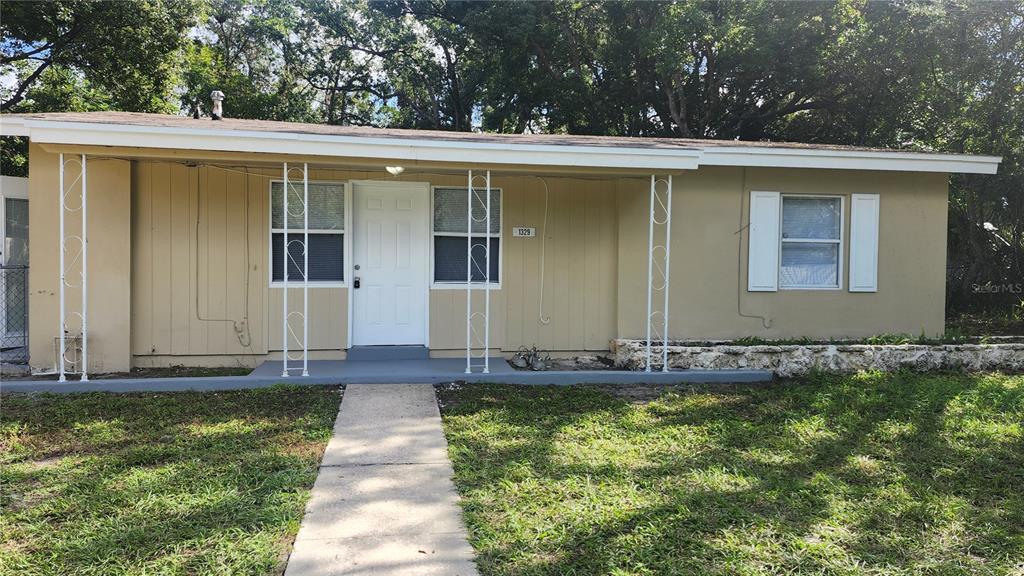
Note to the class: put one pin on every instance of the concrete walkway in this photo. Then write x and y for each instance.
(384, 502)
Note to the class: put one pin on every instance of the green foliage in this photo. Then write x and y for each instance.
(750, 341)
(758, 341)
(891, 339)
(165, 483)
(13, 156)
(953, 335)
(989, 322)
(250, 56)
(868, 474)
(77, 54)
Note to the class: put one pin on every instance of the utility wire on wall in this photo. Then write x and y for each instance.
(242, 330)
(766, 322)
(541, 317)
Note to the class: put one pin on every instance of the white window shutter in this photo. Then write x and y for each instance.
(864, 242)
(763, 250)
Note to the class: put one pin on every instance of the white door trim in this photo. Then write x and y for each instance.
(350, 250)
(350, 189)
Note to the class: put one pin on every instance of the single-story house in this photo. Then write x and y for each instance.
(556, 241)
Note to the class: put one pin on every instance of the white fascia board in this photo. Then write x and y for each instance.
(494, 153)
(849, 160)
(12, 126)
(362, 147)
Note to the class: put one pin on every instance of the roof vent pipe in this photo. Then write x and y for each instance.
(218, 111)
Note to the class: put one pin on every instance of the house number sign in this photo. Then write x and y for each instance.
(523, 232)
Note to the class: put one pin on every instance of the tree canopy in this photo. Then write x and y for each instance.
(916, 74)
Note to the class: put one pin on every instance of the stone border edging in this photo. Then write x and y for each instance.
(798, 359)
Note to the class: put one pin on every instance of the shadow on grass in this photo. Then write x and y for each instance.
(894, 473)
(196, 483)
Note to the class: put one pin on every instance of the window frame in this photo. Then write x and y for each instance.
(840, 242)
(10, 192)
(344, 232)
(461, 285)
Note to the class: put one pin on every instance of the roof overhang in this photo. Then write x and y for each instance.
(398, 149)
(849, 159)
(489, 153)
(13, 126)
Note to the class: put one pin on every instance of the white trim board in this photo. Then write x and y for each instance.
(882, 160)
(313, 284)
(685, 157)
(841, 242)
(418, 188)
(495, 286)
(430, 150)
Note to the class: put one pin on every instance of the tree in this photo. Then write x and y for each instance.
(975, 104)
(433, 72)
(245, 49)
(342, 48)
(79, 55)
(129, 54)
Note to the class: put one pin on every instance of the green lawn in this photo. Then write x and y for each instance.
(869, 474)
(162, 483)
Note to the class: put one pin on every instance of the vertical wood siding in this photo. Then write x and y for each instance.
(199, 232)
(198, 259)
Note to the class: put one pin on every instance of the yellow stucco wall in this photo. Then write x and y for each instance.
(709, 250)
(179, 263)
(109, 235)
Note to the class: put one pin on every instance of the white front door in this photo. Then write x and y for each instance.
(390, 263)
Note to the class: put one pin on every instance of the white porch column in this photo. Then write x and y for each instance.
(287, 330)
(472, 337)
(81, 257)
(659, 246)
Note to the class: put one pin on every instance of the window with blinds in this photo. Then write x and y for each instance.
(811, 241)
(450, 231)
(326, 231)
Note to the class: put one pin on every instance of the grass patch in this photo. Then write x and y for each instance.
(158, 483)
(179, 372)
(1005, 322)
(876, 474)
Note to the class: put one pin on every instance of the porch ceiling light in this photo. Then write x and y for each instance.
(395, 170)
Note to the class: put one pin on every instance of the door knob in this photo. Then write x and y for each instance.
(355, 282)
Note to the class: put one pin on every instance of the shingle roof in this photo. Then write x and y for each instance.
(244, 125)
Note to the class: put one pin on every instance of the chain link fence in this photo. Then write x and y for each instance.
(14, 314)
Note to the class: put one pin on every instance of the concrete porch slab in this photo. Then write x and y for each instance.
(430, 371)
(372, 371)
